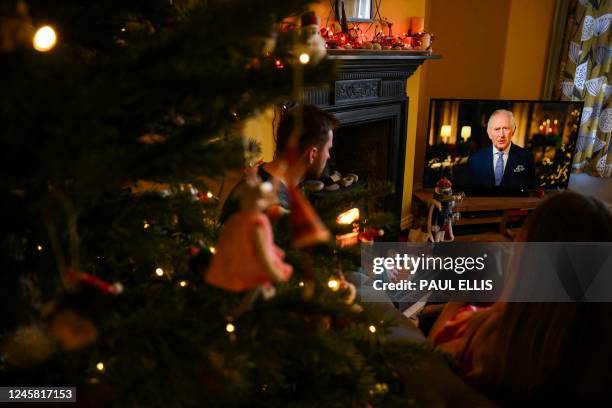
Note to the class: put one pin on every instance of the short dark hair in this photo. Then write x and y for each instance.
(316, 124)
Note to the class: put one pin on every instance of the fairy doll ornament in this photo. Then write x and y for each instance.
(246, 256)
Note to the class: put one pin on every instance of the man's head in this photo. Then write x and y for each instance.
(501, 128)
(315, 139)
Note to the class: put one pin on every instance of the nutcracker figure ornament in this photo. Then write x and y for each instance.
(442, 212)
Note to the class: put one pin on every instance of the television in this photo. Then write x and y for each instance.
(535, 140)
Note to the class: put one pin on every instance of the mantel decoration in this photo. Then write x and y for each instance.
(343, 36)
(356, 39)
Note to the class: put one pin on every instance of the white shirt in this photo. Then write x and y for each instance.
(505, 155)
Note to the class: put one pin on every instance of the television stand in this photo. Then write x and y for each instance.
(483, 218)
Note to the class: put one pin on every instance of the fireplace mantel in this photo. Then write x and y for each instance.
(368, 76)
(390, 55)
(370, 86)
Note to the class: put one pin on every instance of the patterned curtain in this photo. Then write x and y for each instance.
(585, 76)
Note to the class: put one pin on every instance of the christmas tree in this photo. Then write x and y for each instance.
(115, 119)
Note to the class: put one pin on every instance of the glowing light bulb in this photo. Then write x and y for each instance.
(213, 250)
(333, 284)
(182, 283)
(466, 132)
(146, 225)
(301, 284)
(445, 133)
(230, 328)
(100, 366)
(304, 58)
(372, 328)
(209, 195)
(348, 217)
(159, 272)
(44, 39)
(39, 247)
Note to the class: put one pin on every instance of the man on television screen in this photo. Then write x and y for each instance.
(504, 165)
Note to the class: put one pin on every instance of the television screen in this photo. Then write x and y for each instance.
(501, 146)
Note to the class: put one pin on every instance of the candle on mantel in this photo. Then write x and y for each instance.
(417, 25)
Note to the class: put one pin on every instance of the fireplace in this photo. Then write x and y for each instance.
(369, 99)
(368, 143)
(372, 163)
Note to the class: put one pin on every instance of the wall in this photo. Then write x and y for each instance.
(260, 129)
(493, 49)
(527, 42)
(396, 11)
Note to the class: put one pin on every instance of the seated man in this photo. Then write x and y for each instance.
(504, 165)
(315, 140)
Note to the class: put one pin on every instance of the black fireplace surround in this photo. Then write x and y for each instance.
(370, 89)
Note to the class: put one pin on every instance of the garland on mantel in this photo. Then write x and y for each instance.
(357, 39)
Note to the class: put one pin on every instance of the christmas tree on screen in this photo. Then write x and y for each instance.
(116, 118)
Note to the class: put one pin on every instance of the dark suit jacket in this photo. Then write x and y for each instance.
(519, 173)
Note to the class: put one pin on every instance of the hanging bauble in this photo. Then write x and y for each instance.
(71, 330)
(27, 346)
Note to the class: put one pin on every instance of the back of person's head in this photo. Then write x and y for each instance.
(316, 124)
(557, 351)
(568, 217)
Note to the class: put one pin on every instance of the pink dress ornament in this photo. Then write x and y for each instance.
(246, 256)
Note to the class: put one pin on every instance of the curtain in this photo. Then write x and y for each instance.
(585, 76)
(450, 116)
(520, 111)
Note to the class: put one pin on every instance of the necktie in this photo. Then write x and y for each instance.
(499, 168)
